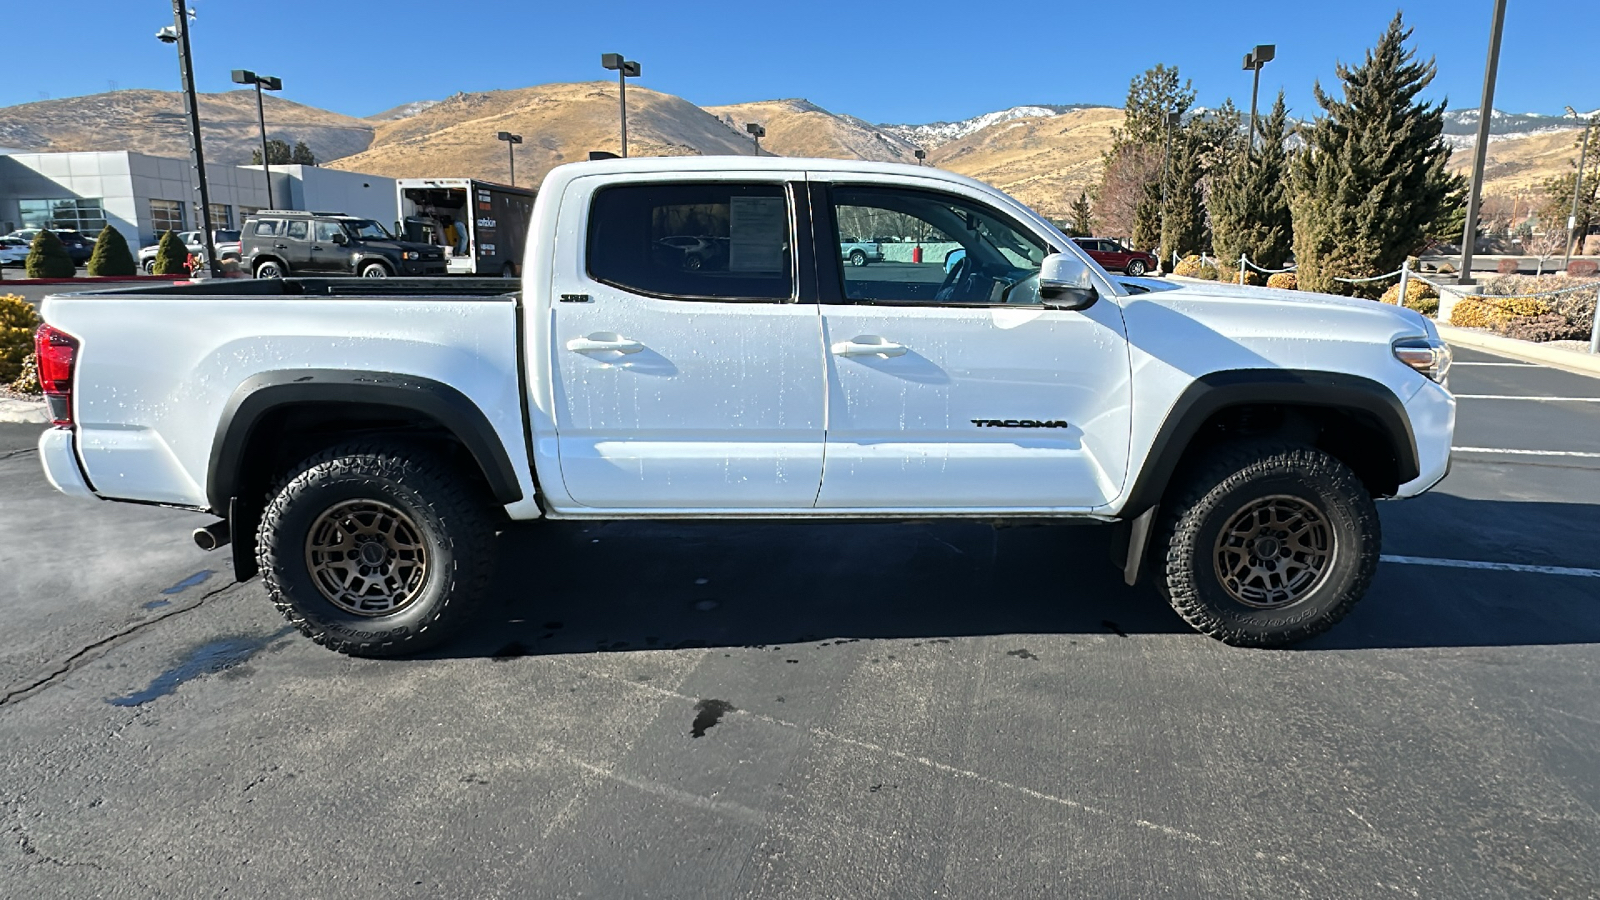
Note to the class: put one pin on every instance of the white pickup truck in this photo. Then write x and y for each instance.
(363, 440)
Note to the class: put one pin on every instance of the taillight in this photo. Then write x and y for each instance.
(57, 351)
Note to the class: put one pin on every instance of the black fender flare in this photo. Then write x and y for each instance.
(262, 393)
(1216, 391)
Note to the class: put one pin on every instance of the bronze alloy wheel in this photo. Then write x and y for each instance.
(1274, 552)
(367, 557)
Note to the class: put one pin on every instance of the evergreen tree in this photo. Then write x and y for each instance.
(1082, 215)
(1249, 201)
(172, 257)
(1558, 191)
(1141, 140)
(302, 155)
(278, 154)
(1183, 222)
(48, 258)
(111, 254)
(1372, 176)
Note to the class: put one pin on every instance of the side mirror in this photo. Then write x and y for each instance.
(339, 238)
(1065, 283)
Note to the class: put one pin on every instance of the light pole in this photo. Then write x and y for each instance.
(262, 83)
(921, 155)
(1577, 186)
(178, 33)
(512, 140)
(1485, 114)
(1258, 56)
(625, 69)
(1170, 120)
(758, 132)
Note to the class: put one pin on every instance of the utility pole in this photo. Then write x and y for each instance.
(180, 15)
(512, 140)
(1485, 113)
(1577, 187)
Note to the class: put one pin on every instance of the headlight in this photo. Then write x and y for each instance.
(409, 254)
(1427, 355)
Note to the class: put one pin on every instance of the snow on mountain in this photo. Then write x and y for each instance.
(936, 133)
(1461, 126)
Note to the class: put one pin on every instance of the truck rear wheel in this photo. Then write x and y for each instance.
(1268, 544)
(858, 258)
(375, 549)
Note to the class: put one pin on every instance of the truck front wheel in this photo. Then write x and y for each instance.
(375, 270)
(375, 549)
(858, 258)
(1268, 544)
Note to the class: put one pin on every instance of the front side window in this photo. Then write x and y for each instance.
(969, 252)
(326, 231)
(693, 241)
(367, 230)
(298, 229)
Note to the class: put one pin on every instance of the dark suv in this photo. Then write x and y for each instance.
(1114, 257)
(276, 243)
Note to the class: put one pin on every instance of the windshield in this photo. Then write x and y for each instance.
(367, 230)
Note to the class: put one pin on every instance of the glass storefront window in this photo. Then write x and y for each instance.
(165, 216)
(84, 215)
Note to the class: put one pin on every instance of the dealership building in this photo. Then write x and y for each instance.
(143, 196)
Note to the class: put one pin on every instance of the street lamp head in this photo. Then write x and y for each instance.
(756, 130)
(1174, 119)
(244, 76)
(612, 61)
(268, 83)
(630, 69)
(1260, 55)
(509, 138)
(168, 34)
(920, 153)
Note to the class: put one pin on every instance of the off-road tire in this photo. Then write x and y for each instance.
(1216, 490)
(1135, 268)
(451, 514)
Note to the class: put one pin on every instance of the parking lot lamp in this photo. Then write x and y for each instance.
(1169, 121)
(262, 83)
(1258, 56)
(1572, 220)
(1469, 236)
(625, 69)
(757, 132)
(512, 140)
(921, 155)
(178, 33)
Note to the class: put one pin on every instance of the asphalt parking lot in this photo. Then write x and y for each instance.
(662, 710)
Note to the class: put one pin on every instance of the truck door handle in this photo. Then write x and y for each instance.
(280, 246)
(601, 345)
(869, 345)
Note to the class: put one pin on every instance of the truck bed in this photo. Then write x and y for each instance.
(263, 288)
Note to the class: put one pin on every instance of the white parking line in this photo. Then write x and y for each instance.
(1499, 567)
(1583, 453)
(1512, 365)
(1540, 399)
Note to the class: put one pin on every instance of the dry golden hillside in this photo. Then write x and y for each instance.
(559, 123)
(1043, 162)
(156, 122)
(1521, 166)
(801, 128)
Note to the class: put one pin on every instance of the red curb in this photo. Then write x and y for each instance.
(93, 279)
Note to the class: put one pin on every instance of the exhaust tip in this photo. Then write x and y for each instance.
(212, 536)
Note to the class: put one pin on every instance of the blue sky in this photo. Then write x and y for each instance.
(884, 62)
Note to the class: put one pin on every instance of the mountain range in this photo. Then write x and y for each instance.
(1043, 154)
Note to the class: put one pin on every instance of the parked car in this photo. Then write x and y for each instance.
(277, 243)
(362, 443)
(859, 253)
(79, 247)
(690, 252)
(13, 251)
(1113, 256)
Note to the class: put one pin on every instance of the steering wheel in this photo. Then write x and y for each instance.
(953, 278)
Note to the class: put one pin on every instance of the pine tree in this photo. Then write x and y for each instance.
(1250, 201)
(1082, 215)
(111, 254)
(1558, 191)
(278, 154)
(302, 155)
(1183, 221)
(1372, 176)
(48, 258)
(1136, 150)
(172, 257)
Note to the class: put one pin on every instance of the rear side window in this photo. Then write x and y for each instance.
(268, 227)
(693, 241)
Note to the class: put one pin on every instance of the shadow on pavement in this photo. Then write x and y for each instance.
(583, 588)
